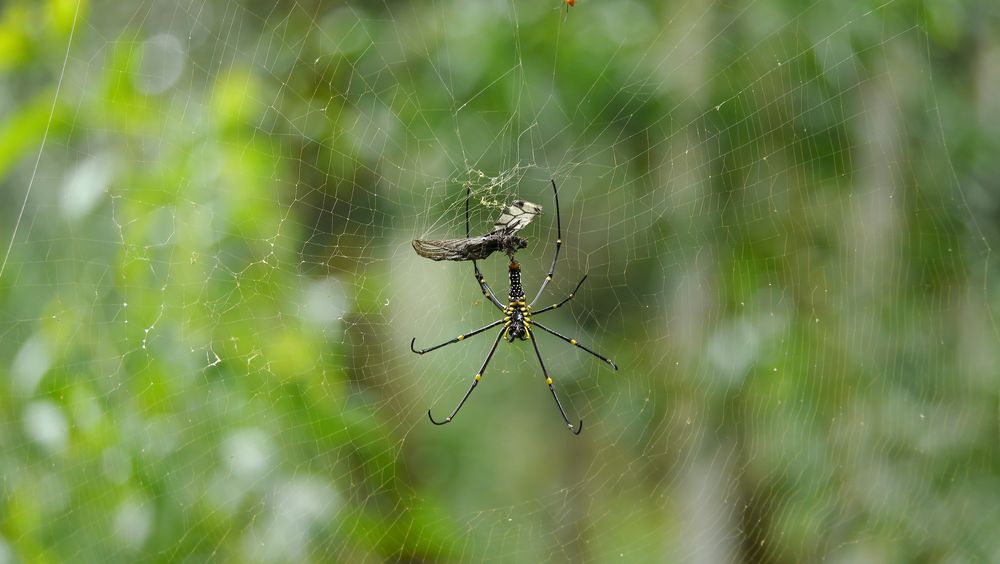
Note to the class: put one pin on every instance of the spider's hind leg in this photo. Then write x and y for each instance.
(483, 285)
(555, 257)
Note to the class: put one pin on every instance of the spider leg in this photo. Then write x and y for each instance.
(475, 382)
(555, 257)
(455, 340)
(487, 291)
(571, 296)
(575, 344)
(548, 380)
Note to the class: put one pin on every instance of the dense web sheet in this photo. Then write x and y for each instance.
(785, 212)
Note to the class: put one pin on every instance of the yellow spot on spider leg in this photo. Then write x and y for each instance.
(572, 341)
(547, 278)
(548, 381)
(460, 337)
(478, 377)
(559, 241)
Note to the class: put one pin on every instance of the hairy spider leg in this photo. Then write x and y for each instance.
(483, 285)
(548, 381)
(475, 382)
(455, 340)
(555, 257)
(575, 344)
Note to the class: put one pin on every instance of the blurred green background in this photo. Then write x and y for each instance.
(788, 213)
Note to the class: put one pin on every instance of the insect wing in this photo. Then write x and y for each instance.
(472, 248)
(515, 217)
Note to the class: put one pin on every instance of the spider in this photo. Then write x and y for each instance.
(517, 322)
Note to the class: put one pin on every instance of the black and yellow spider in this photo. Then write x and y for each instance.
(517, 322)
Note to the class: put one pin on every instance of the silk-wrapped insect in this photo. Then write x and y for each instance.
(503, 237)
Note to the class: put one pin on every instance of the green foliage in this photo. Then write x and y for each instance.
(786, 211)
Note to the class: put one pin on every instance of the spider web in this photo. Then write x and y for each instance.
(783, 211)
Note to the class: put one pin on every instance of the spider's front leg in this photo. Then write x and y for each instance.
(548, 381)
(475, 382)
(455, 340)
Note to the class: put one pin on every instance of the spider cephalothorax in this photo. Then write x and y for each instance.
(516, 321)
